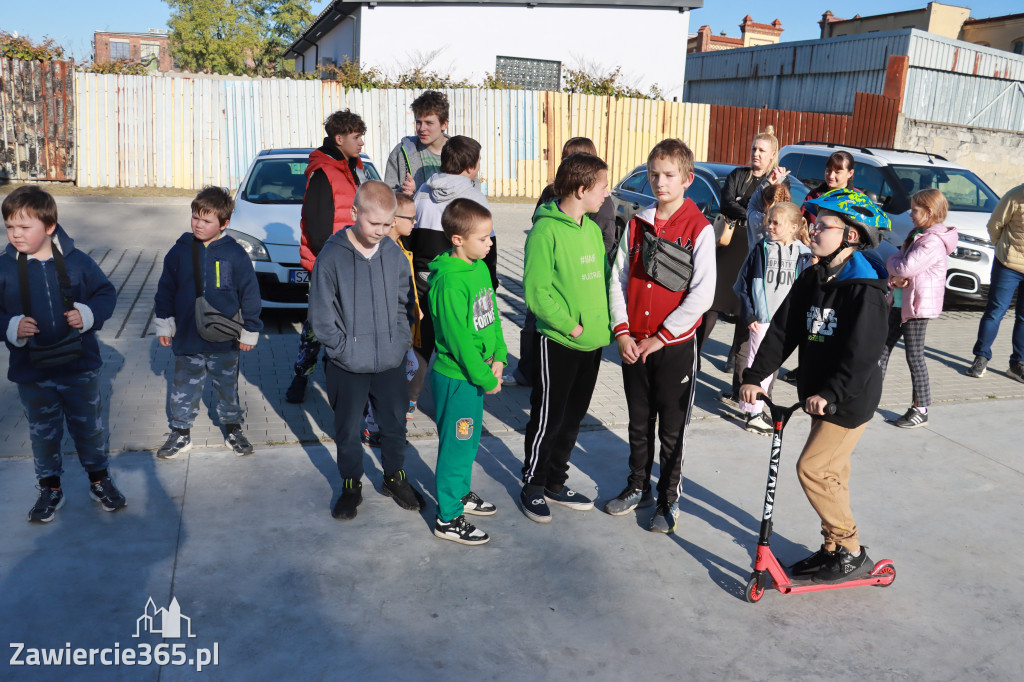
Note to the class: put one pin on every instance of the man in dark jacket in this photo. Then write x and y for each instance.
(334, 173)
(836, 315)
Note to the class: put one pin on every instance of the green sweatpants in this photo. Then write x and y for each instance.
(459, 407)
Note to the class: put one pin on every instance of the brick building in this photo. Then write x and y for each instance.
(752, 34)
(111, 47)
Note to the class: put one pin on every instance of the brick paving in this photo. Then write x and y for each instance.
(137, 369)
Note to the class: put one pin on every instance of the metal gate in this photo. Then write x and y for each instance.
(37, 129)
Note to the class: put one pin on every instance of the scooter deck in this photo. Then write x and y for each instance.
(882, 574)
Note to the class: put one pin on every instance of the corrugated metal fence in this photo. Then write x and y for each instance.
(36, 112)
(873, 124)
(188, 132)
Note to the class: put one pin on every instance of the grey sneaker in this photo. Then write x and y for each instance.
(628, 500)
(1016, 371)
(178, 443)
(911, 420)
(49, 501)
(665, 517)
(977, 369)
(106, 493)
(237, 442)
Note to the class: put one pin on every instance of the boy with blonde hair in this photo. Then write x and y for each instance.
(362, 308)
(655, 323)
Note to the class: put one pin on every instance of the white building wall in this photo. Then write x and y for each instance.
(339, 45)
(649, 45)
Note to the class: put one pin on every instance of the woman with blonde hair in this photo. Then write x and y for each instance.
(740, 185)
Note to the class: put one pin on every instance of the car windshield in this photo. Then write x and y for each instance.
(283, 181)
(963, 189)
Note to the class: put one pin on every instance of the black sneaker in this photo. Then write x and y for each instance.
(535, 507)
(351, 497)
(106, 493)
(1016, 371)
(665, 518)
(727, 398)
(50, 500)
(178, 443)
(461, 531)
(296, 392)
(792, 376)
(397, 486)
(812, 564)
(730, 365)
(237, 441)
(911, 420)
(977, 368)
(371, 438)
(472, 504)
(569, 498)
(844, 566)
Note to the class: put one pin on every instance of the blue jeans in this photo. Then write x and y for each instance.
(48, 404)
(1004, 282)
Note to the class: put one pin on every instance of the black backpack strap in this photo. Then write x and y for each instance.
(197, 269)
(63, 280)
(26, 301)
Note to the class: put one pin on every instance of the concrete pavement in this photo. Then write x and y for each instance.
(249, 550)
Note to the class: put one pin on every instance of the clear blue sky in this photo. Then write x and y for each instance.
(72, 22)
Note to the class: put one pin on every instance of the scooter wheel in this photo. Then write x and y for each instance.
(887, 570)
(753, 593)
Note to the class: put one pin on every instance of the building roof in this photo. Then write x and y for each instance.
(336, 12)
(1005, 17)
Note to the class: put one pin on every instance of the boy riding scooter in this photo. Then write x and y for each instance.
(836, 315)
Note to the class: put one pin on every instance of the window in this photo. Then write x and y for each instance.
(635, 183)
(871, 181)
(1018, 46)
(702, 194)
(277, 181)
(530, 74)
(149, 50)
(118, 50)
(963, 189)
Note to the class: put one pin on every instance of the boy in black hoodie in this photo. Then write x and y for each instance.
(836, 314)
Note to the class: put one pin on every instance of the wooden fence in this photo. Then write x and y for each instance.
(37, 140)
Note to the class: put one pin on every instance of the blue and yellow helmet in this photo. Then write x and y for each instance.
(858, 211)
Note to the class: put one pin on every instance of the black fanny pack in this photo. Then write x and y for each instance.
(667, 263)
(213, 325)
(68, 349)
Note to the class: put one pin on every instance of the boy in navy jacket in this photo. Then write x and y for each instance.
(68, 390)
(229, 284)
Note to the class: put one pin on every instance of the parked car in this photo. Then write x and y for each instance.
(268, 207)
(634, 191)
(890, 176)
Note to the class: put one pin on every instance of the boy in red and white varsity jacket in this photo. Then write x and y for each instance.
(656, 328)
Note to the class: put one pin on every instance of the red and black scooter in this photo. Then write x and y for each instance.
(766, 566)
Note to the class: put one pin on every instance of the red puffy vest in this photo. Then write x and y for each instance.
(343, 187)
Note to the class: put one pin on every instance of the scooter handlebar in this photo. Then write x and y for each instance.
(830, 408)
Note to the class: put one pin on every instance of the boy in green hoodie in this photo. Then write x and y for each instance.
(566, 282)
(471, 355)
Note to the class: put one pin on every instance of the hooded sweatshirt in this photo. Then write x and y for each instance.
(94, 295)
(839, 323)
(466, 324)
(427, 240)
(413, 157)
(566, 279)
(362, 307)
(767, 277)
(330, 193)
(923, 263)
(229, 284)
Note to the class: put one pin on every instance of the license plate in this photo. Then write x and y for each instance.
(298, 276)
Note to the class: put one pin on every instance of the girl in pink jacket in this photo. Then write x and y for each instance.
(917, 276)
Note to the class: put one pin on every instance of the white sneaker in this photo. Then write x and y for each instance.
(756, 423)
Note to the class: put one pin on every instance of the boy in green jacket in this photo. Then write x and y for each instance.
(566, 283)
(471, 355)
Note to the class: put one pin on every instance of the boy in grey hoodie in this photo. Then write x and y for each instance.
(460, 163)
(362, 308)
